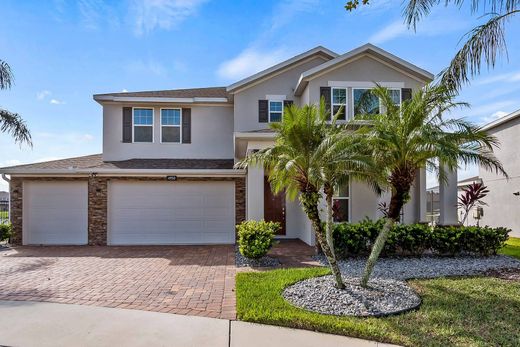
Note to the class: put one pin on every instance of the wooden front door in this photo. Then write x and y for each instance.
(274, 206)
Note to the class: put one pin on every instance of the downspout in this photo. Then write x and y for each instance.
(4, 177)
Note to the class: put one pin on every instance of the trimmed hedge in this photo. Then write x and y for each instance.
(356, 239)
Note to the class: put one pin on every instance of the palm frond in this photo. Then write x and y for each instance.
(485, 44)
(6, 75)
(14, 125)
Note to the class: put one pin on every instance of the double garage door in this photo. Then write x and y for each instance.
(139, 213)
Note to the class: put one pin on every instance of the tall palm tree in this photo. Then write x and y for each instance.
(483, 44)
(10, 122)
(299, 163)
(415, 135)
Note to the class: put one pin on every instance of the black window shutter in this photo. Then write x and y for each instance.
(325, 93)
(287, 103)
(406, 94)
(186, 125)
(127, 125)
(263, 113)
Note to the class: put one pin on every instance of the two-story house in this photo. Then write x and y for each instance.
(166, 173)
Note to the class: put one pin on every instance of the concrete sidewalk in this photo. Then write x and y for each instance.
(27, 324)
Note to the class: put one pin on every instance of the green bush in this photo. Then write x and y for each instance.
(356, 239)
(255, 238)
(5, 232)
(452, 240)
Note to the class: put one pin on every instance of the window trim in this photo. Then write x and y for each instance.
(380, 103)
(269, 110)
(173, 126)
(332, 104)
(143, 125)
(348, 198)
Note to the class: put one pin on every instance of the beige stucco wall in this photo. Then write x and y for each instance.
(246, 101)
(365, 69)
(504, 207)
(211, 135)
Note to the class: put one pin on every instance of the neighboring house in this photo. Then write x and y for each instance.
(433, 201)
(166, 173)
(4, 196)
(503, 200)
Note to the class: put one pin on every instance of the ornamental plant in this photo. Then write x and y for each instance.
(255, 238)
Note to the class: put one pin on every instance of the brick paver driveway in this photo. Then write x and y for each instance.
(193, 280)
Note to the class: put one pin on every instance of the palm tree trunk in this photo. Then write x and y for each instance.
(330, 222)
(309, 202)
(394, 212)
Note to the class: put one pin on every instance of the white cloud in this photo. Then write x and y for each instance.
(287, 10)
(72, 138)
(147, 67)
(249, 62)
(124, 90)
(434, 25)
(43, 94)
(389, 32)
(513, 76)
(57, 102)
(494, 116)
(162, 14)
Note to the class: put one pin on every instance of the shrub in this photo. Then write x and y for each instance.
(255, 238)
(408, 239)
(356, 239)
(451, 240)
(5, 231)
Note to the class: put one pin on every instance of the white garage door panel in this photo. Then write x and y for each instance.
(147, 213)
(55, 213)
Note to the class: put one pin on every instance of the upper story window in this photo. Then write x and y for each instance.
(341, 203)
(275, 111)
(339, 100)
(143, 124)
(365, 102)
(171, 125)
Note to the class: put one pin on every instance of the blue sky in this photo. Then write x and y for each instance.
(62, 52)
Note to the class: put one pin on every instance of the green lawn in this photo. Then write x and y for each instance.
(454, 312)
(4, 215)
(512, 247)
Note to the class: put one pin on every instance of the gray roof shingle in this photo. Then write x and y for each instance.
(212, 92)
(96, 162)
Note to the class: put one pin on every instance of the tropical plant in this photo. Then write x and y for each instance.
(255, 238)
(10, 122)
(483, 44)
(415, 135)
(472, 195)
(310, 152)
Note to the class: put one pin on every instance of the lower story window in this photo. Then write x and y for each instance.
(341, 203)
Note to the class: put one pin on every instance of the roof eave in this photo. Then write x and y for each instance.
(502, 120)
(125, 172)
(110, 98)
(250, 79)
(426, 76)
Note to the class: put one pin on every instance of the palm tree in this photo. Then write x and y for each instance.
(299, 162)
(415, 135)
(10, 122)
(484, 44)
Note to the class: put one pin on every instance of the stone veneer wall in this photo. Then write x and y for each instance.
(98, 201)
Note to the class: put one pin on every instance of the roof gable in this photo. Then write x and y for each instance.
(276, 69)
(367, 49)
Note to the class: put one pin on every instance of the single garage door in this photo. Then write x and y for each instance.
(55, 213)
(162, 213)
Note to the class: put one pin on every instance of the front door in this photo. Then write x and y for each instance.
(274, 206)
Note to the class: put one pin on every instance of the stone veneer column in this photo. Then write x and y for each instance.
(240, 200)
(15, 209)
(97, 211)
